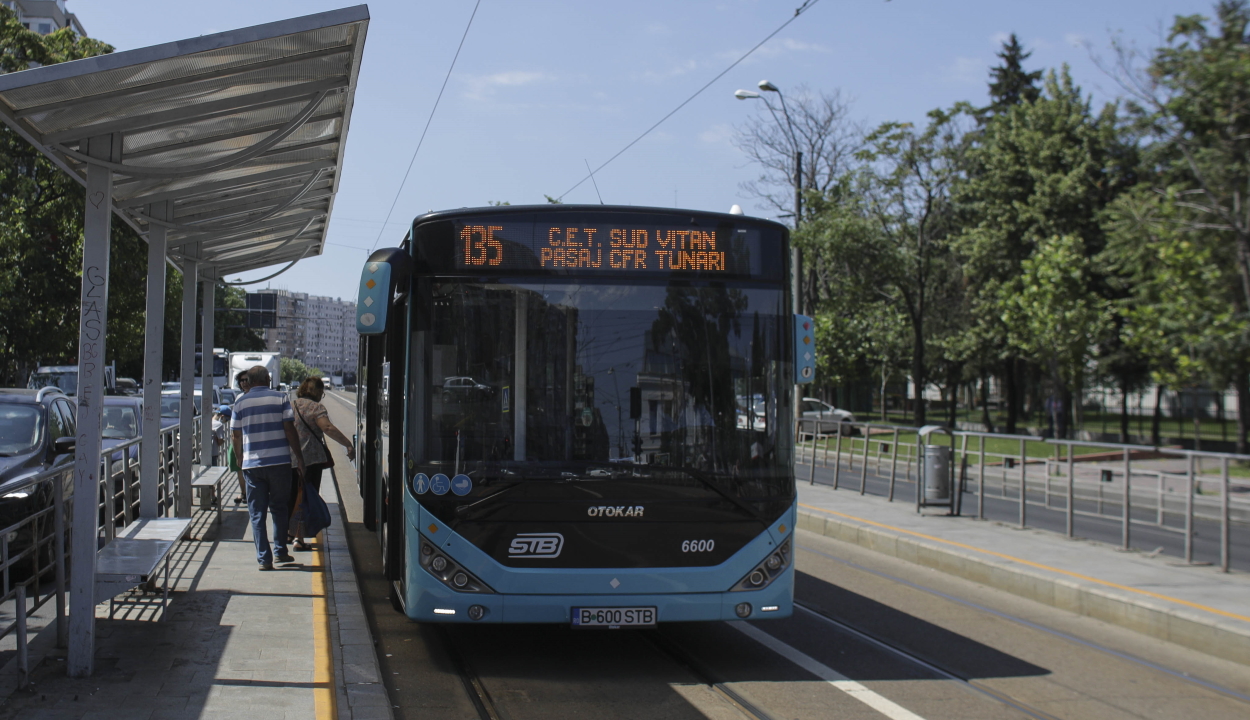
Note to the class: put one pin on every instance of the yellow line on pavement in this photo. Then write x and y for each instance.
(1038, 565)
(325, 698)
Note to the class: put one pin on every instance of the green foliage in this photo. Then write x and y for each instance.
(1037, 170)
(41, 210)
(1179, 296)
(41, 237)
(1040, 240)
(1050, 310)
(1010, 84)
(229, 330)
(906, 187)
(1197, 108)
(293, 372)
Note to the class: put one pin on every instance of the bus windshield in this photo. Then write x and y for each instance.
(590, 378)
(66, 381)
(220, 364)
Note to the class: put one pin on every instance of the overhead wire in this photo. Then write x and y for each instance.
(427, 125)
(807, 5)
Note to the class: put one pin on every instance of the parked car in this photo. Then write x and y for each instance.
(825, 416)
(122, 421)
(37, 433)
(65, 379)
(465, 389)
(171, 405)
(127, 386)
(228, 395)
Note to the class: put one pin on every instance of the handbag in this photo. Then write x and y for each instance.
(329, 463)
(312, 515)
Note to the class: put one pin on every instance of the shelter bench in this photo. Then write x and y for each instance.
(135, 556)
(207, 487)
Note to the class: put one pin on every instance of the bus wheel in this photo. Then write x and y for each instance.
(392, 594)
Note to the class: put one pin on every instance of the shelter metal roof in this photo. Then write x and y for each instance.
(241, 131)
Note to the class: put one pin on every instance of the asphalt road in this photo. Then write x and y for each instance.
(873, 636)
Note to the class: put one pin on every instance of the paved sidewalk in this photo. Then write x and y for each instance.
(1196, 606)
(292, 643)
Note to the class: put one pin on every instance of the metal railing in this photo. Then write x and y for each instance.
(1046, 473)
(35, 547)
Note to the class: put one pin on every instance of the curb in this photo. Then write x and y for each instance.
(361, 693)
(1227, 639)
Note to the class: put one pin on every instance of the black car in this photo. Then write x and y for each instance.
(37, 432)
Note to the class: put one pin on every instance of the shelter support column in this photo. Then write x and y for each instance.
(208, 288)
(92, 325)
(153, 364)
(186, 415)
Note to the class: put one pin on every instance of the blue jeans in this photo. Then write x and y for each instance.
(267, 490)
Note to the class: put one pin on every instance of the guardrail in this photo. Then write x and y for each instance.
(1012, 468)
(35, 548)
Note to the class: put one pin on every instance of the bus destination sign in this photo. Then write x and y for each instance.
(579, 247)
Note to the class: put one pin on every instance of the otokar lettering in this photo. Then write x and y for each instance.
(631, 511)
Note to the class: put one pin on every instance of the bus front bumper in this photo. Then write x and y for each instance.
(435, 603)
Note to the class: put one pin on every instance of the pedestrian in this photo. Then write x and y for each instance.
(312, 424)
(232, 461)
(221, 423)
(264, 435)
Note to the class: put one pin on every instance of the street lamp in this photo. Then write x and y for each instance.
(796, 259)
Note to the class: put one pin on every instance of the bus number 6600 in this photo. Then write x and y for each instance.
(688, 546)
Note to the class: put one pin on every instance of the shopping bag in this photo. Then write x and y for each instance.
(312, 512)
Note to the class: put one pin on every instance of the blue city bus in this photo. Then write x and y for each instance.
(580, 414)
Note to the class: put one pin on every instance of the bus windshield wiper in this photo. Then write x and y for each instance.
(702, 477)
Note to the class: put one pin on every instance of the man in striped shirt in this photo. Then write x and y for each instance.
(263, 432)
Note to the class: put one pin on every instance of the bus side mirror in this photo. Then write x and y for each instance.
(377, 285)
(804, 349)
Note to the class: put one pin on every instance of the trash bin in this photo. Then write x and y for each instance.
(937, 474)
(934, 488)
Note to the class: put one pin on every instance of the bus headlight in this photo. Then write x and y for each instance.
(767, 571)
(448, 572)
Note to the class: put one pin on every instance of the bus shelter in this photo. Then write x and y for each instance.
(224, 152)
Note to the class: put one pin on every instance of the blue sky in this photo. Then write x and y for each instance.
(543, 86)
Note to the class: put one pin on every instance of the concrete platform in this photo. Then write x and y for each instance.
(235, 642)
(1198, 607)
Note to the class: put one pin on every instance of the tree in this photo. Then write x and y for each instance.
(822, 130)
(1010, 85)
(294, 372)
(1192, 100)
(230, 330)
(883, 230)
(41, 232)
(1052, 313)
(1039, 170)
(1180, 308)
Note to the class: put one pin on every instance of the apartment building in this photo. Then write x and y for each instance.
(318, 331)
(44, 16)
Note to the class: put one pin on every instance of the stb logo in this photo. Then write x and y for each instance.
(536, 545)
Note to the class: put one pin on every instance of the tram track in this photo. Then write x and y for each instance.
(930, 665)
(936, 666)
(704, 674)
(473, 685)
